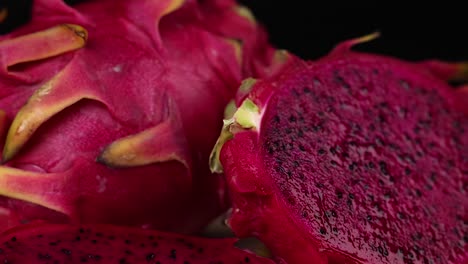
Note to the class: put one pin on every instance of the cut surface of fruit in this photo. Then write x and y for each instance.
(47, 243)
(355, 158)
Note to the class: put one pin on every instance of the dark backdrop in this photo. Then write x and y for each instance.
(311, 28)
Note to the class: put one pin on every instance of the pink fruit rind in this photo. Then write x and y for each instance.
(109, 111)
(271, 201)
(115, 244)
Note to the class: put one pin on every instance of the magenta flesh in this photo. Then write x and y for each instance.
(47, 243)
(359, 159)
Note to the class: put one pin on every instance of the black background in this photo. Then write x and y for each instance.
(311, 28)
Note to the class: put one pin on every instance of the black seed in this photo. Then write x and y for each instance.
(339, 194)
(333, 163)
(334, 214)
(122, 261)
(323, 231)
(383, 167)
(379, 142)
(189, 245)
(66, 251)
(407, 171)
(300, 133)
(111, 237)
(200, 250)
(353, 166)
(306, 90)
(292, 118)
(369, 218)
(317, 128)
(351, 196)
(301, 148)
(380, 250)
(173, 254)
(418, 193)
(381, 118)
(128, 242)
(304, 214)
(97, 257)
(154, 244)
(246, 260)
(82, 230)
(383, 105)
(150, 256)
(371, 165)
(128, 252)
(98, 234)
(339, 80)
(356, 127)
(94, 241)
(43, 256)
(301, 175)
(387, 195)
(404, 84)
(77, 238)
(417, 236)
(349, 202)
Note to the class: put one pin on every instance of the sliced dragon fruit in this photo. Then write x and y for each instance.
(355, 158)
(55, 243)
(109, 109)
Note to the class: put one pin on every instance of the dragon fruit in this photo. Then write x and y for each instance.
(353, 158)
(109, 109)
(55, 243)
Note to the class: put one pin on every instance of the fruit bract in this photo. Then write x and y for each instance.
(354, 158)
(109, 109)
(49, 243)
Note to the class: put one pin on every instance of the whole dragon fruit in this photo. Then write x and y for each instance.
(109, 109)
(354, 158)
(49, 243)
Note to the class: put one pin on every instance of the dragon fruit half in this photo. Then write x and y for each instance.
(109, 109)
(49, 243)
(354, 158)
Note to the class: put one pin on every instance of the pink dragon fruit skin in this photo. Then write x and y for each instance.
(54, 243)
(354, 158)
(108, 109)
